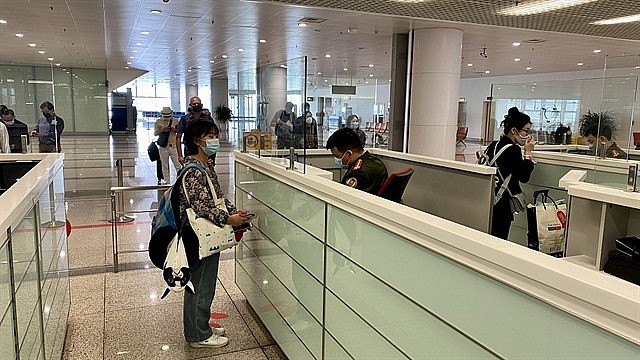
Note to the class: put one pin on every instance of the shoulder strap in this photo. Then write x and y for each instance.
(202, 170)
(497, 155)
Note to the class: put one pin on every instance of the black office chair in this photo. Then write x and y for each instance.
(396, 183)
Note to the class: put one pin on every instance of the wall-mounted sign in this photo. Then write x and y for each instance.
(343, 89)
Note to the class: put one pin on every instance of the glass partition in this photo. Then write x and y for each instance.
(274, 97)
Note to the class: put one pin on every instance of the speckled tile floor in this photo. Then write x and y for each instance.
(120, 315)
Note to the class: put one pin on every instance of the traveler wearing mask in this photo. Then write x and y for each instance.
(282, 123)
(305, 132)
(48, 129)
(353, 121)
(195, 113)
(599, 139)
(15, 128)
(365, 171)
(201, 138)
(165, 129)
(517, 126)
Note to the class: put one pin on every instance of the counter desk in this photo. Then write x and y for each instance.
(34, 279)
(334, 272)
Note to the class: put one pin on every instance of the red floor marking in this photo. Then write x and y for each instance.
(214, 325)
(93, 226)
(216, 315)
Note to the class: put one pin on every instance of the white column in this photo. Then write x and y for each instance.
(192, 90)
(274, 89)
(176, 104)
(435, 90)
(219, 93)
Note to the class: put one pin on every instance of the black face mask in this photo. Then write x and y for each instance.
(196, 108)
(48, 116)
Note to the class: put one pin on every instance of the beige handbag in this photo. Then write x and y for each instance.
(212, 238)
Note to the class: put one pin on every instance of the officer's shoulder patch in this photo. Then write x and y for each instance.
(358, 164)
(351, 182)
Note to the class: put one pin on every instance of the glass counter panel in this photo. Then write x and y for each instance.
(7, 339)
(32, 342)
(297, 243)
(27, 300)
(268, 312)
(5, 280)
(300, 283)
(298, 207)
(356, 336)
(333, 350)
(486, 310)
(410, 327)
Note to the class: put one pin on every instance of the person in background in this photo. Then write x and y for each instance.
(201, 139)
(4, 139)
(599, 139)
(353, 121)
(282, 123)
(517, 127)
(49, 129)
(194, 113)
(166, 128)
(16, 129)
(365, 171)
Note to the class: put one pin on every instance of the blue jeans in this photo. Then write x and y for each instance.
(197, 308)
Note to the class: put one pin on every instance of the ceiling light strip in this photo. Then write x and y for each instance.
(540, 6)
(620, 20)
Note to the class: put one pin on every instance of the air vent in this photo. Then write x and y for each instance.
(311, 20)
(534, 41)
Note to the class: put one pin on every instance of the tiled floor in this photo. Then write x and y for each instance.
(120, 315)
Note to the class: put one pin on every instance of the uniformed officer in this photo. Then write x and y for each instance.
(365, 171)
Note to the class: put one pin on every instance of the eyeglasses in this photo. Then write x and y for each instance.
(526, 132)
(194, 104)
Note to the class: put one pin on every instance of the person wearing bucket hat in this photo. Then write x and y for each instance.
(165, 129)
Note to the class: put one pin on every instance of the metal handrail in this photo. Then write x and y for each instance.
(116, 191)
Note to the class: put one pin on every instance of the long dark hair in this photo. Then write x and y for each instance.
(515, 119)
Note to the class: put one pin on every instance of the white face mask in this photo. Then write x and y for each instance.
(309, 120)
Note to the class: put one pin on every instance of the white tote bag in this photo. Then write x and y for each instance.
(212, 238)
(550, 227)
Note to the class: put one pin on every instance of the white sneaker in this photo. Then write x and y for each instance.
(215, 341)
(218, 331)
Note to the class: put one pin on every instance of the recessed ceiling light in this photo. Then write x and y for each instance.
(620, 20)
(597, 51)
(540, 6)
(327, 56)
(156, 11)
(241, 50)
(487, 71)
(188, 70)
(211, 61)
(319, 73)
(516, 59)
(224, 56)
(345, 69)
(144, 32)
(263, 41)
(57, 64)
(50, 59)
(126, 67)
(139, 44)
(469, 64)
(580, 64)
(301, 24)
(19, 35)
(325, 80)
(41, 51)
(366, 82)
(32, 45)
(3, 21)
(370, 75)
(371, 65)
(528, 68)
(128, 62)
(283, 66)
(516, 44)
(132, 57)
(134, 51)
(637, 67)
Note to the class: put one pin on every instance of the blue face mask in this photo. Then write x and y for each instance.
(340, 164)
(10, 122)
(355, 125)
(212, 146)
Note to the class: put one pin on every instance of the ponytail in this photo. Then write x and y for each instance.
(514, 120)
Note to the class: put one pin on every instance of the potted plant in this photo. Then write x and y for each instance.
(598, 120)
(223, 113)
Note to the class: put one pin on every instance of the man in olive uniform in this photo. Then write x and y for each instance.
(600, 140)
(365, 171)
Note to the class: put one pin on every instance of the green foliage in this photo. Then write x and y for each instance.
(596, 120)
(223, 113)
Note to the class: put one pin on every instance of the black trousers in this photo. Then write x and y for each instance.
(501, 221)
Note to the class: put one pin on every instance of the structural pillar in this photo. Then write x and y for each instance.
(191, 90)
(435, 90)
(174, 87)
(220, 93)
(273, 82)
